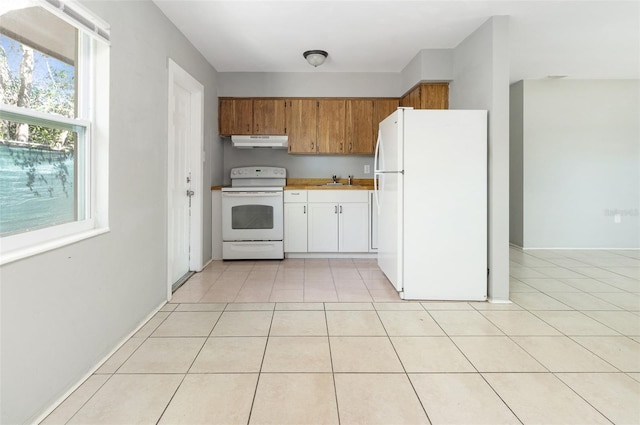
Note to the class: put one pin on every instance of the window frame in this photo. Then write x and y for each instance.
(93, 117)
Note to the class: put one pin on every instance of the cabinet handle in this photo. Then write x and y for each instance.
(257, 128)
(335, 209)
(304, 209)
(312, 147)
(340, 146)
(340, 209)
(350, 147)
(248, 128)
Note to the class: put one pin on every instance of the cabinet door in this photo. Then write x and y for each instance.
(331, 125)
(301, 125)
(434, 96)
(216, 224)
(353, 227)
(359, 121)
(411, 99)
(323, 227)
(268, 116)
(382, 108)
(236, 117)
(295, 227)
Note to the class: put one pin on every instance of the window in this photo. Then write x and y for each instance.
(53, 126)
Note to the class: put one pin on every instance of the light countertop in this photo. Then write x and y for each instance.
(318, 184)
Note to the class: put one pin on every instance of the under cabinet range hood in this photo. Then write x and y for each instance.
(250, 142)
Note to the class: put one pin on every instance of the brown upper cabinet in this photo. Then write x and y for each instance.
(239, 116)
(301, 123)
(269, 116)
(411, 99)
(359, 120)
(235, 116)
(331, 126)
(382, 108)
(427, 96)
(323, 125)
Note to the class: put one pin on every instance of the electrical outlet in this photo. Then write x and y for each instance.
(617, 219)
(367, 169)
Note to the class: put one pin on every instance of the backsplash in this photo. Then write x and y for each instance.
(298, 166)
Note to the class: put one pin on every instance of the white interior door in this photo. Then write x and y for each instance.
(180, 184)
(185, 187)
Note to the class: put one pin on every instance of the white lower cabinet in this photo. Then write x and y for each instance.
(323, 227)
(338, 221)
(295, 221)
(353, 227)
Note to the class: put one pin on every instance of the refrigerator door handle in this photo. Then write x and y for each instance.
(375, 191)
(376, 154)
(375, 172)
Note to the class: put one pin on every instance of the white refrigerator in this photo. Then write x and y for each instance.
(431, 195)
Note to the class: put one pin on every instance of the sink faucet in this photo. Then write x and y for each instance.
(349, 180)
(334, 178)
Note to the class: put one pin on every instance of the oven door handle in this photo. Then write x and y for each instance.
(252, 194)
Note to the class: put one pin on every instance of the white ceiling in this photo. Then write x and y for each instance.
(581, 39)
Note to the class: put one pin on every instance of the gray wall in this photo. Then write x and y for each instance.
(308, 84)
(64, 310)
(481, 81)
(581, 151)
(427, 65)
(516, 213)
(298, 166)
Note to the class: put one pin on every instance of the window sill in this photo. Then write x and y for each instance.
(50, 245)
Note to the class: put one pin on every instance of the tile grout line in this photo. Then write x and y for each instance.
(264, 353)
(481, 374)
(473, 365)
(190, 366)
(402, 365)
(581, 397)
(83, 404)
(333, 372)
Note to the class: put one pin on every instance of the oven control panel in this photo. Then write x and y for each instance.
(258, 173)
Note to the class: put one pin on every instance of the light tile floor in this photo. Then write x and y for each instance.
(328, 341)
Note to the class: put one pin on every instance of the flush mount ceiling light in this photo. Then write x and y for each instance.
(315, 57)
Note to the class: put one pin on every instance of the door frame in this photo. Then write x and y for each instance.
(177, 75)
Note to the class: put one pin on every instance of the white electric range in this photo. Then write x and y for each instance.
(253, 214)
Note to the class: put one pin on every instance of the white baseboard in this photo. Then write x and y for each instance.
(86, 376)
(330, 255)
(578, 249)
(492, 301)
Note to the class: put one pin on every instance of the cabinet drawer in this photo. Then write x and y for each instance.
(338, 196)
(295, 196)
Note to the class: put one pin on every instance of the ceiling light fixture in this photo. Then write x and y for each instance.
(315, 57)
